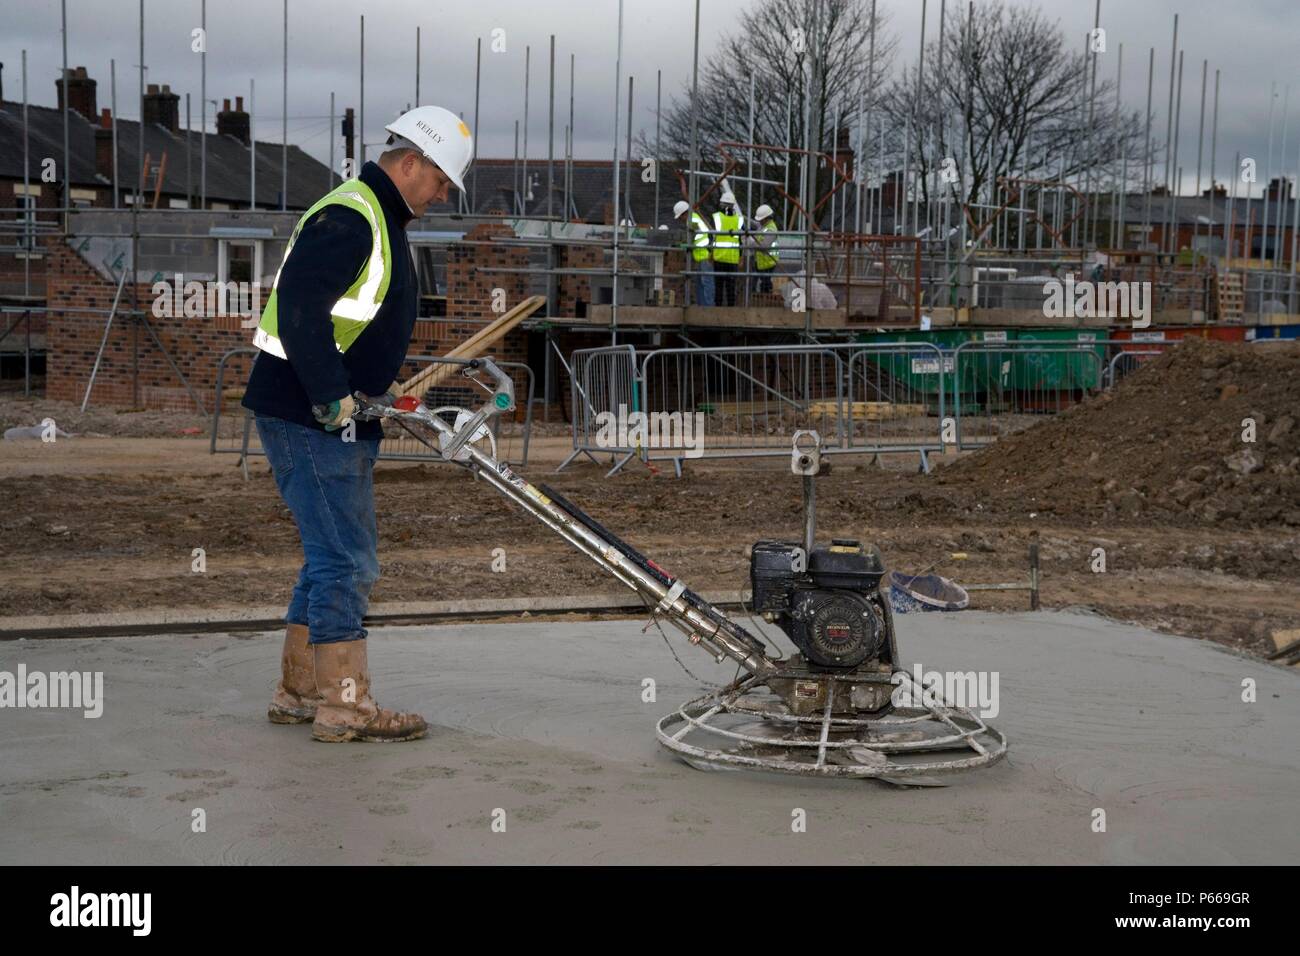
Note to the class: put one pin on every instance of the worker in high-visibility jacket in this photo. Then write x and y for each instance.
(763, 239)
(338, 323)
(728, 223)
(701, 251)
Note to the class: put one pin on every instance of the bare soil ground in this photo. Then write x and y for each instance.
(1196, 541)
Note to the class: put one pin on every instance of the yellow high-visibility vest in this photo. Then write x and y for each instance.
(358, 305)
(765, 260)
(726, 238)
(699, 237)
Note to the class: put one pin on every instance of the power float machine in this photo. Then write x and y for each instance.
(841, 705)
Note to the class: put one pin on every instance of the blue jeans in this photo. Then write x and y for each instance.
(703, 283)
(326, 482)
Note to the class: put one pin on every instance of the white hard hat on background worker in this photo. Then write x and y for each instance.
(762, 212)
(441, 136)
(679, 208)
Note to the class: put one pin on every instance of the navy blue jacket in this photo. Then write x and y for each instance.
(328, 256)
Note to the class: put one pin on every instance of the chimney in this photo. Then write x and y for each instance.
(844, 150)
(104, 144)
(81, 93)
(161, 106)
(1279, 189)
(234, 122)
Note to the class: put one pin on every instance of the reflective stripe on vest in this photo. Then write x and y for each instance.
(765, 260)
(359, 304)
(700, 237)
(726, 239)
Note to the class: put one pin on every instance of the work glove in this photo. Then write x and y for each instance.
(385, 400)
(333, 415)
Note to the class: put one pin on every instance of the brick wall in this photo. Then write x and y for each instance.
(11, 263)
(195, 344)
(570, 289)
(470, 301)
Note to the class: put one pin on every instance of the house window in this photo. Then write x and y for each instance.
(239, 260)
(26, 221)
(83, 197)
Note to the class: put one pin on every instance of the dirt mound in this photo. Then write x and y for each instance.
(1170, 442)
(99, 420)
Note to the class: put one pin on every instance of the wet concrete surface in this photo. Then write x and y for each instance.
(542, 724)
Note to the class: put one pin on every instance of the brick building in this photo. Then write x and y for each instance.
(173, 179)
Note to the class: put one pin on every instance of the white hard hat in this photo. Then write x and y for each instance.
(728, 199)
(762, 212)
(441, 135)
(680, 207)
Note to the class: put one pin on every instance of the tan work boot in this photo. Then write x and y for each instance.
(347, 711)
(296, 697)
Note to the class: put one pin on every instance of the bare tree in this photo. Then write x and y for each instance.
(1007, 97)
(806, 57)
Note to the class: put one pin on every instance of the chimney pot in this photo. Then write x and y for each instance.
(80, 92)
(234, 122)
(106, 118)
(162, 106)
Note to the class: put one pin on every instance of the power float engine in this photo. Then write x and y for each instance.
(827, 600)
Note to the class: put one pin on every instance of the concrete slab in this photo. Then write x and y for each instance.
(546, 722)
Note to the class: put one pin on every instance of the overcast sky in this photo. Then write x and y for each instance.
(1253, 44)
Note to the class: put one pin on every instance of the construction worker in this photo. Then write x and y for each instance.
(763, 238)
(727, 226)
(338, 321)
(700, 239)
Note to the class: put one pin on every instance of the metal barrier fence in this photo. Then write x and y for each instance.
(603, 380)
(746, 402)
(896, 399)
(1126, 361)
(743, 402)
(738, 402)
(242, 439)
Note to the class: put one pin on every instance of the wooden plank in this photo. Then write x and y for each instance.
(507, 321)
(1285, 637)
(472, 347)
(869, 411)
